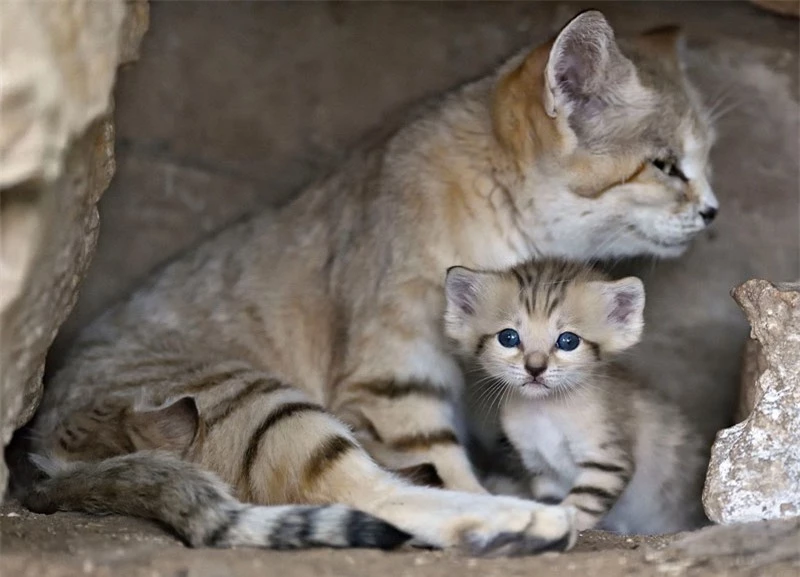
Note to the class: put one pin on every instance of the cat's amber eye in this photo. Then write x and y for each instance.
(669, 168)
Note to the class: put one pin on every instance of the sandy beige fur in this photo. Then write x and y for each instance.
(333, 306)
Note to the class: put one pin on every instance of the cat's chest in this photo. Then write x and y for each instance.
(547, 437)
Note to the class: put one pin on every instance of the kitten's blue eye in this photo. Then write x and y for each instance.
(509, 338)
(568, 341)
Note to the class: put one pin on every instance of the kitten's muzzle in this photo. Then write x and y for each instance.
(537, 382)
(535, 370)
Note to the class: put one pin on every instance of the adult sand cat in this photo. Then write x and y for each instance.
(299, 355)
(541, 339)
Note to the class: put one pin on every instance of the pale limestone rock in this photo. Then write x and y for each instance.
(58, 63)
(755, 465)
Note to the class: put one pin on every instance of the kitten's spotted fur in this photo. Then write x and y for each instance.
(302, 351)
(543, 336)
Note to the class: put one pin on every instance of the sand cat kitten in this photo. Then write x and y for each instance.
(299, 355)
(588, 434)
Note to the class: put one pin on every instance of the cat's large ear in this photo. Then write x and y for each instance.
(585, 69)
(462, 290)
(173, 427)
(622, 303)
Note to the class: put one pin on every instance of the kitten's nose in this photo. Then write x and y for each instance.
(536, 363)
(708, 214)
(535, 370)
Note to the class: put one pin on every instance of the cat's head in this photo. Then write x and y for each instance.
(610, 141)
(544, 327)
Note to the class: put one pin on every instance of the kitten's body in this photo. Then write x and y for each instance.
(553, 436)
(236, 358)
(587, 433)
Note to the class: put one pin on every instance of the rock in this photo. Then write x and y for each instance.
(58, 63)
(782, 7)
(768, 546)
(754, 363)
(755, 465)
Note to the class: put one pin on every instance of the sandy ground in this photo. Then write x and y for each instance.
(73, 544)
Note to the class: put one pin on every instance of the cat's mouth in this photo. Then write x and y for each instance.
(661, 243)
(537, 382)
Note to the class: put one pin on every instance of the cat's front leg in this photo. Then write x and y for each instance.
(598, 485)
(405, 419)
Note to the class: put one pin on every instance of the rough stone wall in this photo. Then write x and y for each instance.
(58, 62)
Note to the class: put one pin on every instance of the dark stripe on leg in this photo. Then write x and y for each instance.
(279, 414)
(424, 440)
(601, 494)
(326, 457)
(605, 467)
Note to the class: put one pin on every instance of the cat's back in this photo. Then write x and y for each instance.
(190, 304)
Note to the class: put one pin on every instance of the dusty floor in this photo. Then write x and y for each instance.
(71, 544)
(234, 106)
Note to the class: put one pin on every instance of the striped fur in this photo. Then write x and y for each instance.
(300, 354)
(587, 434)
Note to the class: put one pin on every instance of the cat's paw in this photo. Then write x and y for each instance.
(481, 525)
(522, 530)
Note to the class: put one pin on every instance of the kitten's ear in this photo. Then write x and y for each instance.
(622, 303)
(584, 67)
(462, 290)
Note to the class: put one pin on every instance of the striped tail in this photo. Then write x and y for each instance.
(198, 506)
